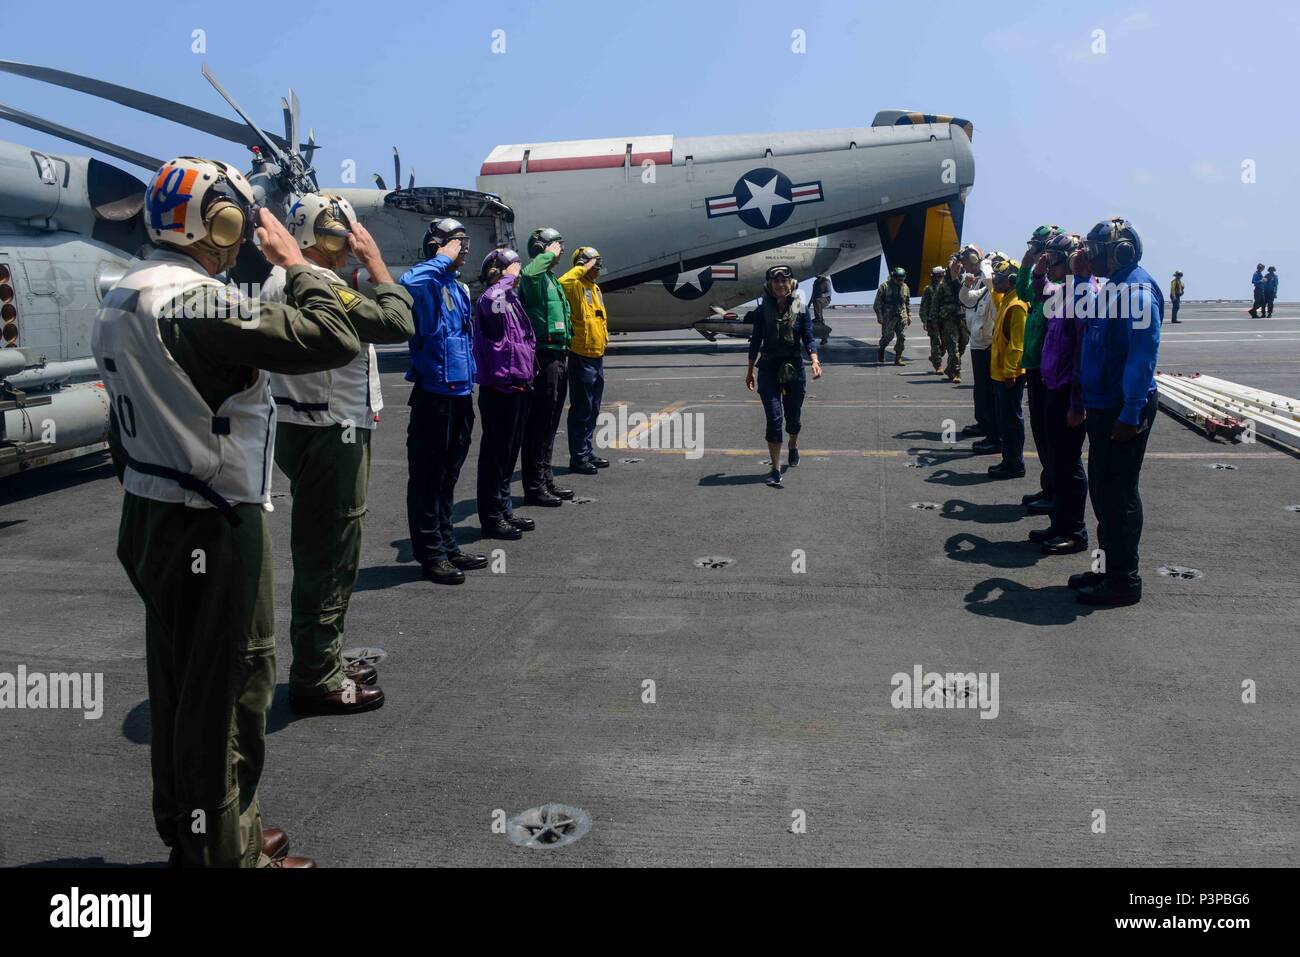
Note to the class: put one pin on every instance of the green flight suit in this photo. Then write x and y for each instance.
(328, 467)
(206, 584)
(930, 324)
(894, 310)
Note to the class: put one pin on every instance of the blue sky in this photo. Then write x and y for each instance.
(1156, 128)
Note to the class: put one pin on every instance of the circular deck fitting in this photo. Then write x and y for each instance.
(548, 826)
(1180, 571)
(714, 561)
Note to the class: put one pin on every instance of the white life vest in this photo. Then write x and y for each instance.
(178, 449)
(981, 311)
(346, 396)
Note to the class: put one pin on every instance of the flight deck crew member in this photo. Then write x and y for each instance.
(893, 310)
(1029, 286)
(442, 402)
(977, 300)
(586, 357)
(1270, 291)
(782, 331)
(322, 443)
(821, 299)
(1176, 290)
(505, 354)
(1117, 377)
(1006, 371)
(548, 311)
(1063, 412)
(928, 323)
(1257, 290)
(948, 313)
(192, 431)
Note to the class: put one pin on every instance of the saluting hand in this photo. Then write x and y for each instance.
(279, 248)
(364, 247)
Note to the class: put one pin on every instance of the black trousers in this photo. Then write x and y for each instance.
(1176, 303)
(504, 415)
(986, 411)
(1069, 480)
(437, 441)
(1037, 393)
(550, 385)
(1269, 299)
(1113, 472)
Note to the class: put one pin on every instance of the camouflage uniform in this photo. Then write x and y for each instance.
(894, 311)
(931, 325)
(947, 312)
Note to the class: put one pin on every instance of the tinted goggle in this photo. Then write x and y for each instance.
(779, 272)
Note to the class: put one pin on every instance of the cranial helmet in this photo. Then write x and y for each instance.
(1039, 237)
(501, 259)
(193, 201)
(441, 232)
(321, 219)
(1060, 247)
(585, 254)
(541, 238)
(1118, 237)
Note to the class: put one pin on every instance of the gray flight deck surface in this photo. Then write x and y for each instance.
(772, 688)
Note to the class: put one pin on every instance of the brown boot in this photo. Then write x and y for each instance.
(275, 843)
(362, 672)
(293, 862)
(352, 698)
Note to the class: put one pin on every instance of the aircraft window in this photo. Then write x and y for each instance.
(45, 169)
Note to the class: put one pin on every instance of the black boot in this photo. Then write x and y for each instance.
(443, 573)
(1110, 594)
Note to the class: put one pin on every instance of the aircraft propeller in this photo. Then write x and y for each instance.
(397, 175)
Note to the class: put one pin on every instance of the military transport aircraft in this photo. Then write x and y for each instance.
(687, 227)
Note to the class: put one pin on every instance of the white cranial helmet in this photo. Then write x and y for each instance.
(321, 219)
(192, 200)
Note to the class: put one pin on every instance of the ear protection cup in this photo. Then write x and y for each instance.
(226, 223)
(331, 244)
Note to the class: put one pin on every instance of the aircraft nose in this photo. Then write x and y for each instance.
(964, 155)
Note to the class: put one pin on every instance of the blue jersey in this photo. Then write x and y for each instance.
(1117, 367)
(442, 349)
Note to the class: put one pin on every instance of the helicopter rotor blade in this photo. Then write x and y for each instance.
(42, 125)
(397, 169)
(195, 119)
(293, 118)
(379, 181)
(262, 139)
(288, 119)
(411, 184)
(310, 149)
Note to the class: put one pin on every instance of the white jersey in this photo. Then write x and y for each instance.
(178, 449)
(346, 396)
(980, 311)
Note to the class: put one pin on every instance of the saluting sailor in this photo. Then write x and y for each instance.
(323, 446)
(192, 433)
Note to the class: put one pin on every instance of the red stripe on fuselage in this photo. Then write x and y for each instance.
(568, 163)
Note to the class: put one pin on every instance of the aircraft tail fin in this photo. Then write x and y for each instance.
(922, 238)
